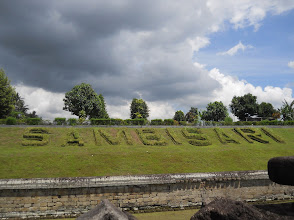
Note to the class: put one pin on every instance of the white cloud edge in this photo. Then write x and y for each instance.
(291, 64)
(234, 50)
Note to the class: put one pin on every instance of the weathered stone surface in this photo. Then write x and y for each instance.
(226, 209)
(156, 192)
(106, 211)
(281, 170)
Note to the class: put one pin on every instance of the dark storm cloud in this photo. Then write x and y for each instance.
(122, 48)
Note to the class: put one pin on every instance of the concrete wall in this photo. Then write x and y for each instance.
(64, 197)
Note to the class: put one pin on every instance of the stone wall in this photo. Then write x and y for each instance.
(69, 197)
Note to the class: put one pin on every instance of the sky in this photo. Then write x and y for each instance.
(173, 54)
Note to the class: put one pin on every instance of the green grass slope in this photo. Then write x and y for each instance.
(120, 151)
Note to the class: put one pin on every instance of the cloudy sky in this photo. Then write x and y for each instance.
(173, 54)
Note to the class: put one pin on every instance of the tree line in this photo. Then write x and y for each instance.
(84, 102)
(11, 103)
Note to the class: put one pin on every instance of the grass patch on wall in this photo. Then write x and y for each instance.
(104, 159)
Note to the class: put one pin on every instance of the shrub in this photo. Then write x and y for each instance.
(11, 121)
(73, 138)
(111, 140)
(270, 134)
(3, 121)
(33, 121)
(184, 123)
(264, 122)
(150, 137)
(72, 121)
(173, 136)
(169, 122)
(137, 121)
(35, 137)
(60, 121)
(238, 123)
(250, 134)
(228, 120)
(247, 122)
(274, 122)
(157, 122)
(108, 121)
(288, 122)
(195, 137)
(223, 137)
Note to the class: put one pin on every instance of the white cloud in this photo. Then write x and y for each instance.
(234, 87)
(47, 104)
(198, 43)
(199, 65)
(235, 49)
(291, 64)
(248, 12)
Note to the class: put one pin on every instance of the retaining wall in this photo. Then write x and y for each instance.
(69, 197)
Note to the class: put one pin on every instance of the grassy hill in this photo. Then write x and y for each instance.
(120, 151)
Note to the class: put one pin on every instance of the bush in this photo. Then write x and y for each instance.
(60, 121)
(175, 138)
(288, 122)
(35, 137)
(72, 121)
(247, 122)
(109, 121)
(33, 121)
(150, 136)
(3, 121)
(184, 123)
(169, 122)
(11, 121)
(238, 123)
(156, 122)
(138, 121)
(73, 138)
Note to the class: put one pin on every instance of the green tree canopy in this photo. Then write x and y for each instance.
(215, 111)
(244, 106)
(192, 115)
(83, 100)
(179, 116)
(287, 111)
(139, 109)
(266, 109)
(7, 95)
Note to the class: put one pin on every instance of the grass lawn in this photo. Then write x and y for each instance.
(171, 215)
(104, 159)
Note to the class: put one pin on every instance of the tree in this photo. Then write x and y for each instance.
(104, 113)
(32, 114)
(192, 115)
(287, 111)
(179, 116)
(244, 106)
(7, 95)
(83, 101)
(20, 105)
(139, 109)
(215, 111)
(265, 110)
